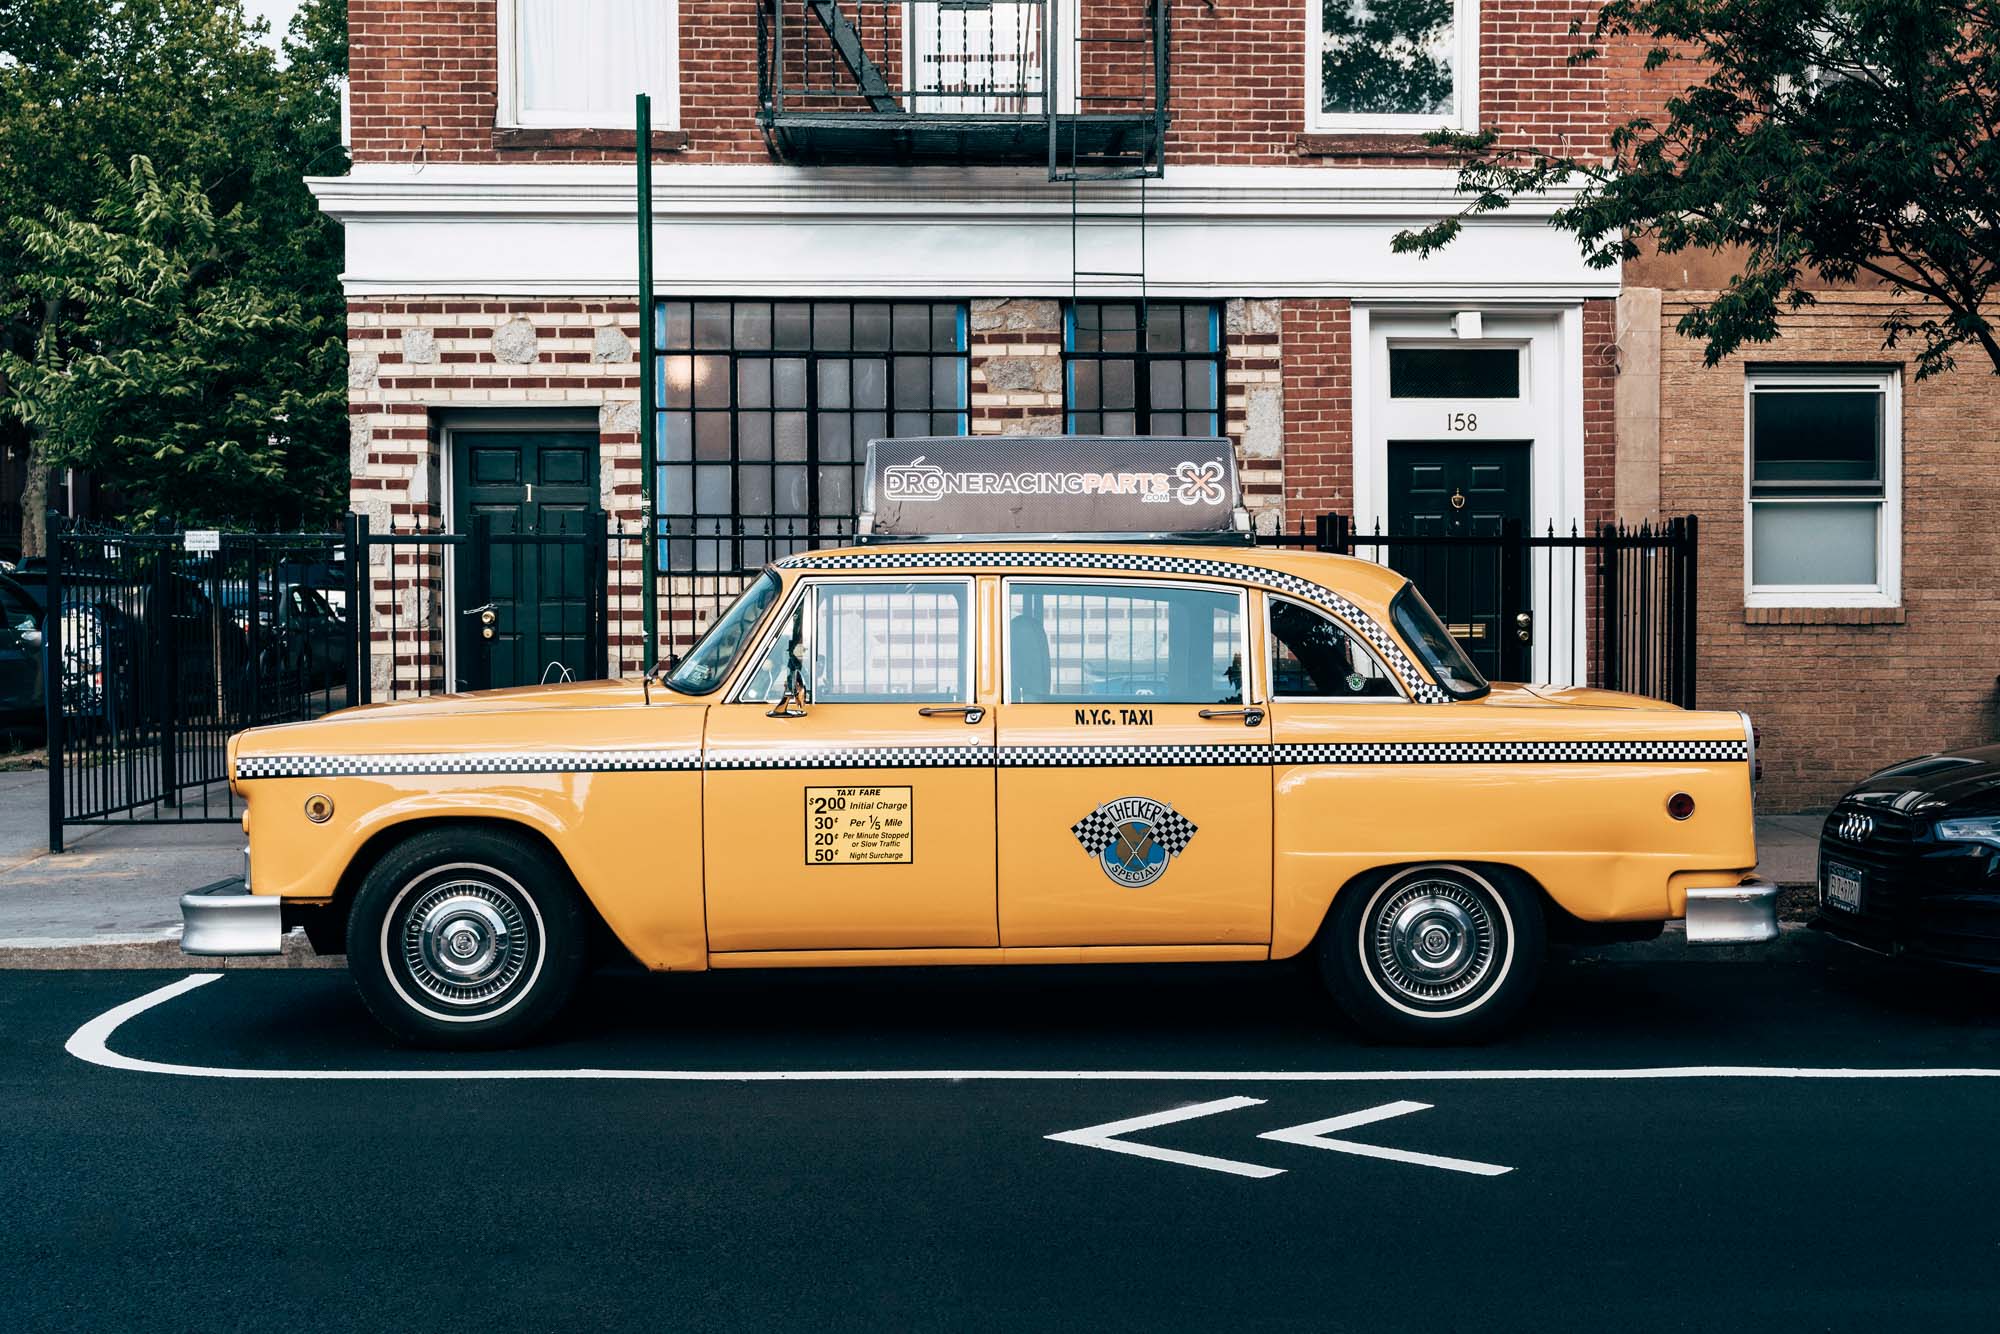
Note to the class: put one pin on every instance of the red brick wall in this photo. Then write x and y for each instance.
(1319, 409)
(424, 75)
(1600, 422)
(1839, 693)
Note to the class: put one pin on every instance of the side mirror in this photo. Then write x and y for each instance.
(792, 700)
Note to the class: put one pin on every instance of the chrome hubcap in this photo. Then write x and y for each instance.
(464, 941)
(1433, 941)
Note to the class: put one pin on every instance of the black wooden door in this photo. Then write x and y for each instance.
(1465, 499)
(528, 503)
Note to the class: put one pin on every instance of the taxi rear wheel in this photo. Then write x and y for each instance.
(466, 938)
(1436, 953)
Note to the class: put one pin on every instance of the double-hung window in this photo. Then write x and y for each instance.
(1392, 66)
(1824, 474)
(568, 64)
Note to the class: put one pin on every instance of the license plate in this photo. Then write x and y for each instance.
(1840, 887)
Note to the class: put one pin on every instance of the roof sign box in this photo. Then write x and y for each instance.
(1172, 488)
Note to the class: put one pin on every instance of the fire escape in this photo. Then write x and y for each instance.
(1081, 88)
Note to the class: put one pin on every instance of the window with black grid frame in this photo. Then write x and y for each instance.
(1143, 368)
(766, 410)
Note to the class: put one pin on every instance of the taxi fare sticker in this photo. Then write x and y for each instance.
(858, 826)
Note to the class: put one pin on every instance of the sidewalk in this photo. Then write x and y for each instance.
(113, 899)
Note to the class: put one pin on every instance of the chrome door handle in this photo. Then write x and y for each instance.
(1251, 716)
(973, 713)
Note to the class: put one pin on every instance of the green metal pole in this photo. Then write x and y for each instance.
(649, 593)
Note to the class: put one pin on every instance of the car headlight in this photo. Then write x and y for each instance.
(1972, 829)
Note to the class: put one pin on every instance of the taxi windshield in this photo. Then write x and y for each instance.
(707, 664)
(1440, 652)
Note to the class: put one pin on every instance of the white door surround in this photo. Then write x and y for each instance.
(1548, 414)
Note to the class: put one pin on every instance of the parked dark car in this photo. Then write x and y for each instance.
(1909, 861)
(21, 666)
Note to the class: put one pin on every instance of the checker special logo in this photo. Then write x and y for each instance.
(1133, 838)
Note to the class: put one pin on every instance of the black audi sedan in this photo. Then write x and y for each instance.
(1909, 861)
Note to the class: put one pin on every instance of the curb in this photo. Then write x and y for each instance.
(161, 949)
(1796, 943)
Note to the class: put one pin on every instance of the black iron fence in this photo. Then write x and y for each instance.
(159, 646)
(1613, 607)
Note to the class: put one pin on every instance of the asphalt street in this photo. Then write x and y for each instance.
(1660, 1146)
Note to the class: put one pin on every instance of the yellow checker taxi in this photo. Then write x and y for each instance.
(1157, 742)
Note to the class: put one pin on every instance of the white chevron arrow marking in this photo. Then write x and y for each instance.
(1107, 1135)
(1314, 1135)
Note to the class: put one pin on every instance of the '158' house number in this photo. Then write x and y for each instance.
(1461, 421)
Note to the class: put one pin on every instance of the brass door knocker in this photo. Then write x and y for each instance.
(1457, 499)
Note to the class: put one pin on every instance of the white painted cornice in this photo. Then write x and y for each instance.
(552, 229)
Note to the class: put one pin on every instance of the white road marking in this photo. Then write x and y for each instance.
(89, 1043)
(1314, 1135)
(1107, 1135)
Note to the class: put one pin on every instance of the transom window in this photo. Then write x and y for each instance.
(1396, 65)
(767, 408)
(1315, 657)
(1143, 368)
(1454, 372)
(577, 63)
(1823, 504)
(872, 642)
(1138, 643)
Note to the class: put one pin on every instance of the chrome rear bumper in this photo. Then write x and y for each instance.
(1745, 914)
(226, 918)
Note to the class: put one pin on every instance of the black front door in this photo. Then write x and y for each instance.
(1465, 499)
(527, 501)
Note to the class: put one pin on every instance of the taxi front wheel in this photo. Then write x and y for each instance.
(466, 938)
(1437, 953)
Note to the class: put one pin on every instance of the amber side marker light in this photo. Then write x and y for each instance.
(319, 809)
(1680, 805)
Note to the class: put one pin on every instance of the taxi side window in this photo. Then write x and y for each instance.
(873, 642)
(1315, 657)
(1158, 644)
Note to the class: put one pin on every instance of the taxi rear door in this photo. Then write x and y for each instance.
(855, 811)
(1134, 780)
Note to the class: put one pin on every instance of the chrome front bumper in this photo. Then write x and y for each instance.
(226, 918)
(1745, 914)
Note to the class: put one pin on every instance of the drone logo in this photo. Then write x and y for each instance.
(1198, 483)
(1133, 839)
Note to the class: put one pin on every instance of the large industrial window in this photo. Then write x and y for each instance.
(767, 408)
(1410, 66)
(1824, 518)
(1143, 368)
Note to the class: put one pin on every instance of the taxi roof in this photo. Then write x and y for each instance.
(1364, 581)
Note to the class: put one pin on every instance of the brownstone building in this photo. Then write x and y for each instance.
(1034, 216)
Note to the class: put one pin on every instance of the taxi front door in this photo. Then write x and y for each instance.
(1134, 777)
(849, 782)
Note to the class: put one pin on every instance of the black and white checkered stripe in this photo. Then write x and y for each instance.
(1510, 752)
(1095, 757)
(1009, 757)
(881, 757)
(475, 762)
(1421, 688)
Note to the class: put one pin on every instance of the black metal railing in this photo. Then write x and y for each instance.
(963, 81)
(1611, 607)
(161, 645)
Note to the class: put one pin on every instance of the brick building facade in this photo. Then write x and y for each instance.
(491, 273)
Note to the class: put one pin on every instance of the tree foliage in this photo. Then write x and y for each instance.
(209, 259)
(1819, 142)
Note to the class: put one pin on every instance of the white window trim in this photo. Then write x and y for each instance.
(1887, 591)
(1464, 114)
(507, 113)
